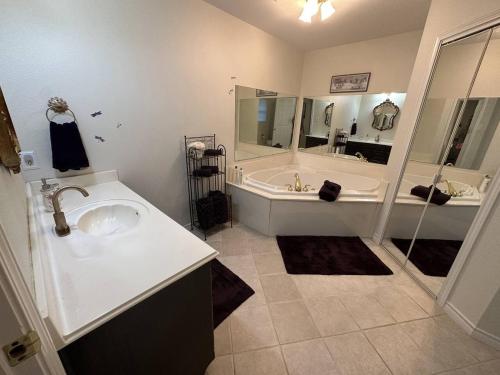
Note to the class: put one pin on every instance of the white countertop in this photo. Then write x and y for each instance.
(85, 280)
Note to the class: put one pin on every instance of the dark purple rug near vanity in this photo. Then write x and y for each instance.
(328, 255)
(431, 257)
(228, 292)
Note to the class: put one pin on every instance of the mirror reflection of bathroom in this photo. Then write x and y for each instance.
(264, 122)
(453, 158)
(355, 127)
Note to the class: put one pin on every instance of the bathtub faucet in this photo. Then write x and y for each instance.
(360, 156)
(298, 184)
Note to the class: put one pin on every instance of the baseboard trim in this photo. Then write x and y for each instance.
(471, 328)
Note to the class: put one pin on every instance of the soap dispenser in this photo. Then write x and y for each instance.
(47, 190)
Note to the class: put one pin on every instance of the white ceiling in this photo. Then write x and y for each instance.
(353, 21)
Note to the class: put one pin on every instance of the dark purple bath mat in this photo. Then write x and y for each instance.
(228, 292)
(326, 255)
(431, 257)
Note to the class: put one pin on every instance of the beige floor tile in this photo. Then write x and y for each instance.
(485, 368)
(478, 349)
(221, 366)
(241, 265)
(269, 263)
(316, 286)
(399, 304)
(231, 247)
(309, 358)
(330, 316)
(435, 341)
(239, 232)
(292, 322)
(354, 355)
(260, 362)
(279, 287)
(257, 299)
(415, 292)
(263, 245)
(252, 328)
(222, 339)
(366, 311)
(400, 352)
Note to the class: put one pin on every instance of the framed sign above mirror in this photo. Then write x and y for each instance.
(357, 127)
(264, 122)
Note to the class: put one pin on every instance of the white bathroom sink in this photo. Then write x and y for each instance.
(109, 219)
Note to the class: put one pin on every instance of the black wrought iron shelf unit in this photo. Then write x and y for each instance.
(209, 203)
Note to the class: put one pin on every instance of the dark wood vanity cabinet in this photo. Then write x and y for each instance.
(312, 141)
(170, 332)
(374, 152)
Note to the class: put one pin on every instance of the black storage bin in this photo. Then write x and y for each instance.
(205, 212)
(221, 209)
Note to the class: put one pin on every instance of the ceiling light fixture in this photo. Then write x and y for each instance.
(311, 7)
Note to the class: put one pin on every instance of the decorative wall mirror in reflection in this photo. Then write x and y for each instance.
(454, 155)
(384, 115)
(343, 125)
(264, 123)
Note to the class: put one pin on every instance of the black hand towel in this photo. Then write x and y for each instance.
(329, 191)
(438, 197)
(67, 147)
(202, 172)
(213, 152)
(212, 168)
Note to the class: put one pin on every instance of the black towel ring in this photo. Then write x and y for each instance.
(59, 106)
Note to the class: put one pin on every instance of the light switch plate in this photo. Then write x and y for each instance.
(28, 160)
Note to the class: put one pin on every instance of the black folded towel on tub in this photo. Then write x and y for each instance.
(438, 197)
(329, 191)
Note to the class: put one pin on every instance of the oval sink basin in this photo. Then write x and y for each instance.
(110, 219)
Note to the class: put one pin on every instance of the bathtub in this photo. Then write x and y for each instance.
(470, 194)
(276, 181)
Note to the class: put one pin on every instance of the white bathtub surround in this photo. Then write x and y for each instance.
(275, 180)
(264, 203)
(121, 250)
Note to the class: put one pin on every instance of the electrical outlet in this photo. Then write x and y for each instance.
(28, 160)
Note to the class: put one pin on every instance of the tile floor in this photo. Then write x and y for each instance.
(434, 283)
(319, 325)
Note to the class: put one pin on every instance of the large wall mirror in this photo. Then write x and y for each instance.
(454, 155)
(264, 122)
(358, 127)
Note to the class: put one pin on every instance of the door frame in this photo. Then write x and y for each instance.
(15, 294)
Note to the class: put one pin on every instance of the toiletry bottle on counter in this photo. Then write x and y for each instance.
(47, 190)
(484, 184)
(235, 175)
(240, 176)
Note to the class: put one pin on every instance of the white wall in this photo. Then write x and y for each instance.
(14, 221)
(389, 59)
(162, 70)
(475, 293)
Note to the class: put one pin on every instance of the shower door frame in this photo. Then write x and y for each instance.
(489, 200)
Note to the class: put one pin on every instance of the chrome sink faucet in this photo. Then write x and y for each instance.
(298, 184)
(62, 228)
